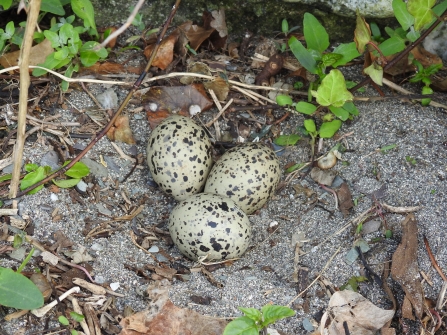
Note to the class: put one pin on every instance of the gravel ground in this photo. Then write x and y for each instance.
(265, 273)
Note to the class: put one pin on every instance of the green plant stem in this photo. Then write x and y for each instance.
(104, 131)
(396, 59)
(25, 261)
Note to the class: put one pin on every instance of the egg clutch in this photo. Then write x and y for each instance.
(213, 223)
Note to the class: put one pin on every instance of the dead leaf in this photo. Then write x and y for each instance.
(325, 177)
(345, 202)
(165, 53)
(37, 55)
(219, 86)
(121, 131)
(196, 35)
(360, 315)
(162, 101)
(405, 268)
(216, 20)
(163, 318)
(79, 256)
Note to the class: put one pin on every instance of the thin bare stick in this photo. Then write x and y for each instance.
(121, 29)
(70, 80)
(45, 309)
(433, 260)
(23, 98)
(209, 124)
(316, 279)
(400, 89)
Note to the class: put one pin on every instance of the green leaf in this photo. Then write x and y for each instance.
(294, 167)
(273, 313)
(252, 313)
(402, 15)
(63, 320)
(9, 30)
(67, 31)
(284, 140)
(53, 38)
(78, 170)
(77, 317)
(309, 124)
(33, 178)
(332, 90)
(330, 58)
(84, 10)
(89, 55)
(392, 46)
(17, 291)
(283, 100)
(387, 148)
(375, 72)
(6, 4)
(305, 108)
(6, 177)
(31, 167)
(421, 10)
(303, 55)
(413, 35)
(52, 6)
(61, 54)
(348, 52)
(285, 26)
(66, 183)
(316, 36)
(375, 31)
(339, 112)
(241, 326)
(362, 33)
(328, 129)
(351, 108)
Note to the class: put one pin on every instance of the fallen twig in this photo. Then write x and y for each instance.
(45, 309)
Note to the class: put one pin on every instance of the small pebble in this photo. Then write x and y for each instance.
(114, 286)
(54, 197)
(307, 325)
(108, 99)
(50, 159)
(154, 248)
(82, 187)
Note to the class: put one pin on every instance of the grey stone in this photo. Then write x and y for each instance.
(96, 169)
(50, 159)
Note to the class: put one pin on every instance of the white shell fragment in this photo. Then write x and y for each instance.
(179, 156)
(209, 225)
(248, 174)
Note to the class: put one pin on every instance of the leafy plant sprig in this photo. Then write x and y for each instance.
(256, 320)
(37, 173)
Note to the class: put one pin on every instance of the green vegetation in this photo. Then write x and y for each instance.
(69, 50)
(37, 173)
(256, 320)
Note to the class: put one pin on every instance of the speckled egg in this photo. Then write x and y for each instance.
(209, 225)
(248, 174)
(179, 156)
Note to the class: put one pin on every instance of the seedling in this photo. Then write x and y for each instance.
(75, 317)
(37, 173)
(387, 148)
(256, 320)
(423, 75)
(18, 291)
(353, 283)
(410, 160)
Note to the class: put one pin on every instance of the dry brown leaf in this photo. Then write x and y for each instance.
(216, 20)
(165, 54)
(345, 202)
(361, 316)
(121, 131)
(163, 318)
(196, 35)
(405, 268)
(219, 86)
(162, 101)
(37, 55)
